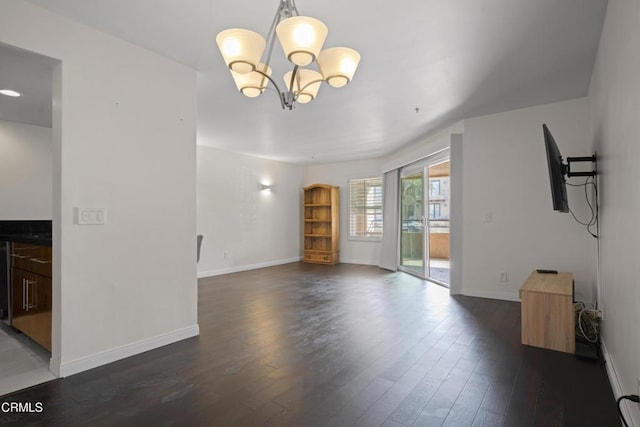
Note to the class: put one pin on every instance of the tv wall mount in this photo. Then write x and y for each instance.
(567, 167)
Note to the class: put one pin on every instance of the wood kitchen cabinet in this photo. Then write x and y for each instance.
(31, 291)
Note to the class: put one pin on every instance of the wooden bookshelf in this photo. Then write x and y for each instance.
(321, 226)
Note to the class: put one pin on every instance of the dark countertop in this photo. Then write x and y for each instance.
(35, 232)
(34, 239)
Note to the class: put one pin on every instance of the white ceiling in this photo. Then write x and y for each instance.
(452, 59)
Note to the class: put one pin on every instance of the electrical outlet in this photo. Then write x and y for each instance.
(226, 255)
(503, 277)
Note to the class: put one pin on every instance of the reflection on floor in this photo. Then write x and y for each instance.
(440, 274)
(22, 362)
(438, 268)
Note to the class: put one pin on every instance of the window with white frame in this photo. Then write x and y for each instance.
(365, 208)
(434, 187)
(434, 210)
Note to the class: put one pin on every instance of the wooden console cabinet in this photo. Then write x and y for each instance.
(548, 317)
(321, 231)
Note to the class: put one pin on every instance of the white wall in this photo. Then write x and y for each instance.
(456, 222)
(421, 149)
(506, 178)
(339, 174)
(615, 104)
(255, 228)
(124, 139)
(26, 164)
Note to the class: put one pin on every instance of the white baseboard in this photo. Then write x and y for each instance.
(505, 296)
(612, 373)
(108, 356)
(247, 267)
(358, 262)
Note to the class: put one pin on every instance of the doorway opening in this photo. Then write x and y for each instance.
(425, 191)
(28, 216)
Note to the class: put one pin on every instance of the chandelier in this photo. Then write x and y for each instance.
(301, 38)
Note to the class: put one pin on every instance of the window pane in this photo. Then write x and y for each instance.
(365, 207)
(434, 211)
(434, 187)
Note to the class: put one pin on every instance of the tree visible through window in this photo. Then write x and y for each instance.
(365, 208)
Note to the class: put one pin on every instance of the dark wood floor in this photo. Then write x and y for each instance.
(308, 345)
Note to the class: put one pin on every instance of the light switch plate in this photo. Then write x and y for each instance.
(91, 216)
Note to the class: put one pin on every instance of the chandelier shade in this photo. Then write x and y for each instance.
(241, 49)
(338, 65)
(306, 84)
(248, 55)
(254, 83)
(301, 38)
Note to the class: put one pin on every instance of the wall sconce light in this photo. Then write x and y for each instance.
(265, 187)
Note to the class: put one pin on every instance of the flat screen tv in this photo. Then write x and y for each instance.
(556, 172)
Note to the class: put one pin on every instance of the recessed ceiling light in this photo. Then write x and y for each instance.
(10, 92)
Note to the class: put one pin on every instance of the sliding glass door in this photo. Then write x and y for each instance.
(413, 222)
(424, 217)
(438, 221)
